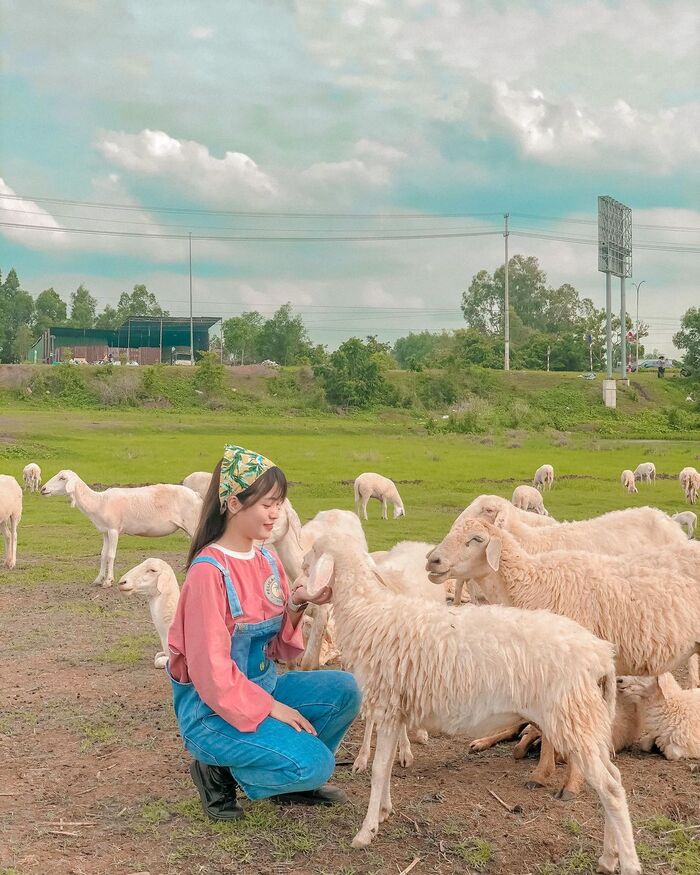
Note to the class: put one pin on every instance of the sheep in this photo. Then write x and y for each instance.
(687, 520)
(670, 715)
(149, 511)
(156, 580)
(628, 481)
(198, 481)
(685, 478)
(370, 485)
(529, 498)
(544, 477)
(693, 489)
(10, 516)
(652, 619)
(453, 670)
(646, 472)
(32, 477)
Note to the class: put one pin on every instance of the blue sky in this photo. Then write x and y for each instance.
(352, 116)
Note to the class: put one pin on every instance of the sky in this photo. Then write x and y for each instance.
(128, 124)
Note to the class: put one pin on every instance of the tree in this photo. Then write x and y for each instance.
(482, 304)
(283, 338)
(352, 377)
(473, 347)
(688, 338)
(22, 343)
(16, 308)
(108, 318)
(82, 308)
(50, 309)
(241, 335)
(140, 302)
(416, 350)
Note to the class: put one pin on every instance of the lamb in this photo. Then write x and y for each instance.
(685, 478)
(198, 481)
(10, 516)
(687, 520)
(670, 715)
(156, 580)
(544, 477)
(370, 485)
(149, 511)
(653, 620)
(646, 472)
(693, 487)
(628, 481)
(32, 477)
(472, 668)
(529, 498)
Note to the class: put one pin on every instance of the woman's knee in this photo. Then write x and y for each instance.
(349, 695)
(317, 769)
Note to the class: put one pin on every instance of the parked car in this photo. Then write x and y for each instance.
(653, 364)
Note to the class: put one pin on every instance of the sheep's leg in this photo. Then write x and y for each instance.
(312, 653)
(362, 757)
(365, 502)
(573, 784)
(405, 752)
(694, 670)
(545, 767)
(530, 735)
(384, 516)
(379, 793)
(604, 778)
(7, 535)
(488, 741)
(14, 524)
(109, 551)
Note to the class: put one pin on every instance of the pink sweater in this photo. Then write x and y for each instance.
(200, 635)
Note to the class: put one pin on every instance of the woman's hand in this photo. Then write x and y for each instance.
(291, 716)
(322, 597)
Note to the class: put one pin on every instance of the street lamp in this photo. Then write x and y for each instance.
(637, 285)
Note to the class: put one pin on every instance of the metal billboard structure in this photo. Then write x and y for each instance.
(615, 258)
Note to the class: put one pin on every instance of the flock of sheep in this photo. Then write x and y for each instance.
(570, 632)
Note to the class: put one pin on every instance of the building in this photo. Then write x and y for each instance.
(147, 340)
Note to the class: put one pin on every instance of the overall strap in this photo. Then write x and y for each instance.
(273, 564)
(233, 600)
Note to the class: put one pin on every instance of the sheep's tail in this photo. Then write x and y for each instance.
(356, 490)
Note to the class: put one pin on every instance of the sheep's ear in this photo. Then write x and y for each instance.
(667, 685)
(160, 581)
(493, 553)
(321, 574)
(500, 520)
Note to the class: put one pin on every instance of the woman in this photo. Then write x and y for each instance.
(272, 736)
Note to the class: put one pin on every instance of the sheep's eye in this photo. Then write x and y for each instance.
(477, 538)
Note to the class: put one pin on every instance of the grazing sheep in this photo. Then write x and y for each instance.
(10, 515)
(529, 498)
(646, 472)
(693, 488)
(370, 485)
(198, 481)
(685, 478)
(452, 670)
(687, 520)
(156, 580)
(32, 477)
(544, 477)
(652, 619)
(627, 480)
(149, 511)
(670, 715)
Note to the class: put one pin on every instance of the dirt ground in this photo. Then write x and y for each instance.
(94, 780)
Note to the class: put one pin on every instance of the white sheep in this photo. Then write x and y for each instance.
(453, 670)
(32, 477)
(530, 499)
(156, 580)
(685, 478)
(544, 477)
(652, 619)
(670, 716)
(149, 511)
(693, 488)
(198, 481)
(628, 481)
(646, 472)
(371, 485)
(687, 520)
(10, 516)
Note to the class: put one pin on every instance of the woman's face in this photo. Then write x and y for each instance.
(256, 520)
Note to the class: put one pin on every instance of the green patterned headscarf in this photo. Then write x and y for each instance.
(240, 468)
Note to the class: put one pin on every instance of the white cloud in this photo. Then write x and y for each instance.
(29, 214)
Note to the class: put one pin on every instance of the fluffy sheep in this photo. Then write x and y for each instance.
(646, 472)
(628, 481)
(371, 485)
(687, 520)
(453, 670)
(10, 516)
(670, 716)
(32, 477)
(685, 478)
(149, 511)
(544, 477)
(198, 481)
(693, 487)
(529, 498)
(155, 580)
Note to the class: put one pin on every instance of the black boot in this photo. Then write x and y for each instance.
(326, 794)
(217, 790)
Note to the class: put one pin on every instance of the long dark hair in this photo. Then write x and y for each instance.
(212, 522)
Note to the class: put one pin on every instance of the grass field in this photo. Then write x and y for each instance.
(87, 733)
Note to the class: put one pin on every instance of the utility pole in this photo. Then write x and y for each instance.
(608, 323)
(623, 330)
(506, 301)
(636, 354)
(549, 349)
(191, 321)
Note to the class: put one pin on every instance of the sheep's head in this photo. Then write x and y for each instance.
(471, 550)
(491, 508)
(148, 578)
(648, 689)
(62, 483)
(399, 511)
